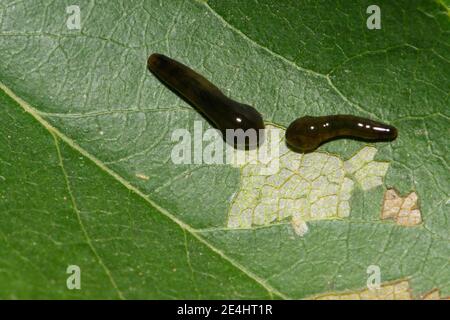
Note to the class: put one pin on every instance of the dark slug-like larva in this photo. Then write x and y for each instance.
(222, 111)
(307, 133)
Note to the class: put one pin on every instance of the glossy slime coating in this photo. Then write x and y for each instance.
(307, 133)
(222, 111)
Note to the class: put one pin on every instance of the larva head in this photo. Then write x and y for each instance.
(303, 135)
(247, 126)
(247, 117)
(156, 61)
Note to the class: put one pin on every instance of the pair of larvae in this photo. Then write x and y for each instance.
(305, 134)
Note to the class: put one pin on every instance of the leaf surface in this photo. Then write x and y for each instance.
(86, 176)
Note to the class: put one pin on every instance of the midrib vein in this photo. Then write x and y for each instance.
(35, 114)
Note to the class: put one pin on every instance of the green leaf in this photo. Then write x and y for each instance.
(86, 176)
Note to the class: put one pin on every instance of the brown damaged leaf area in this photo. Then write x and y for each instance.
(403, 210)
(399, 290)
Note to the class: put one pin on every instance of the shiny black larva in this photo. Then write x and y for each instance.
(307, 133)
(222, 111)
